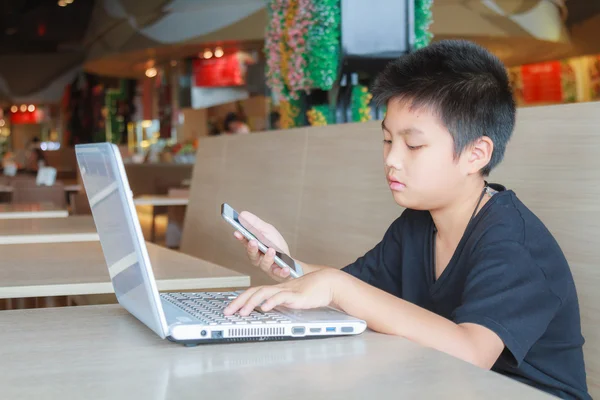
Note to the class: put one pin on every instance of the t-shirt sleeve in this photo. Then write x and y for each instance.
(381, 266)
(507, 293)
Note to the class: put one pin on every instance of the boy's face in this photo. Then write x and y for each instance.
(419, 160)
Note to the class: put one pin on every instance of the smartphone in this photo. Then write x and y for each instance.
(252, 233)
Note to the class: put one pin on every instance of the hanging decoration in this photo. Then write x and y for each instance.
(423, 20)
(289, 110)
(302, 46)
(359, 103)
(115, 123)
(324, 44)
(320, 115)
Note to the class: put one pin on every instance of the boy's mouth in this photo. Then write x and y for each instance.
(395, 184)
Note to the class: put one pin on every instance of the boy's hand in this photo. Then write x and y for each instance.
(313, 290)
(264, 261)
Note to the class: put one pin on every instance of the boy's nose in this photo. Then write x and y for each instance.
(394, 159)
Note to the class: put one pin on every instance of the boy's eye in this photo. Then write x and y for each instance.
(387, 141)
(413, 147)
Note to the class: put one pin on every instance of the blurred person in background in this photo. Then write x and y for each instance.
(35, 157)
(234, 124)
(275, 120)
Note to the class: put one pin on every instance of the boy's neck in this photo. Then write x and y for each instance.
(452, 220)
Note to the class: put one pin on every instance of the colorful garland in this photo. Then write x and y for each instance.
(289, 110)
(359, 103)
(275, 49)
(302, 45)
(302, 48)
(423, 20)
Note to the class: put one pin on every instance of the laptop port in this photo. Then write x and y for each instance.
(347, 329)
(216, 335)
(298, 330)
(330, 329)
(315, 330)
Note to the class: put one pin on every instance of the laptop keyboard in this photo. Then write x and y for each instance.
(208, 308)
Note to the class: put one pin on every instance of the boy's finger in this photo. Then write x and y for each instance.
(253, 253)
(257, 298)
(239, 302)
(267, 260)
(240, 237)
(284, 297)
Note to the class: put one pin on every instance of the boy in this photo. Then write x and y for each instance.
(467, 269)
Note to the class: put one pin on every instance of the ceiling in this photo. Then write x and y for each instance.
(581, 10)
(122, 49)
(41, 26)
(510, 38)
(41, 42)
(41, 48)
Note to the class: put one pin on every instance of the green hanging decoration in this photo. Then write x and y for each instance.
(114, 122)
(323, 44)
(423, 20)
(320, 115)
(359, 103)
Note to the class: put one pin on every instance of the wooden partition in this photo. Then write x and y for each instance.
(64, 161)
(325, 190)
(553, 165)
(156, 178)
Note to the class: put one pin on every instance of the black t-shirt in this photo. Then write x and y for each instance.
(507, 274)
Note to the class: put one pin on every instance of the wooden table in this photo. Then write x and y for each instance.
(66, 269)
(73, 188)
(48, 230)
(160, 200)
(35, 210)
(102, 352)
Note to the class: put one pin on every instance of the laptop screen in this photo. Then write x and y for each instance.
(120, 233)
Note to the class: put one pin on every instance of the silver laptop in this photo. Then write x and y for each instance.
(187, 318)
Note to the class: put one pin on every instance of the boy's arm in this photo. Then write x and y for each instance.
(308, 268)
(388, 314)
(506, 303)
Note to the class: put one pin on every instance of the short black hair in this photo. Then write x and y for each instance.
(230, 118)
(463, 83)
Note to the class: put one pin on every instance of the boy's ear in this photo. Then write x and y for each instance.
(480, 154)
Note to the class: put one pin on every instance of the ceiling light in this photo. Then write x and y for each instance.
(62, 3)
(219, 52)
(151, 72)
(23, 107)
(14, 109)
(31, 108)
(207, 54)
